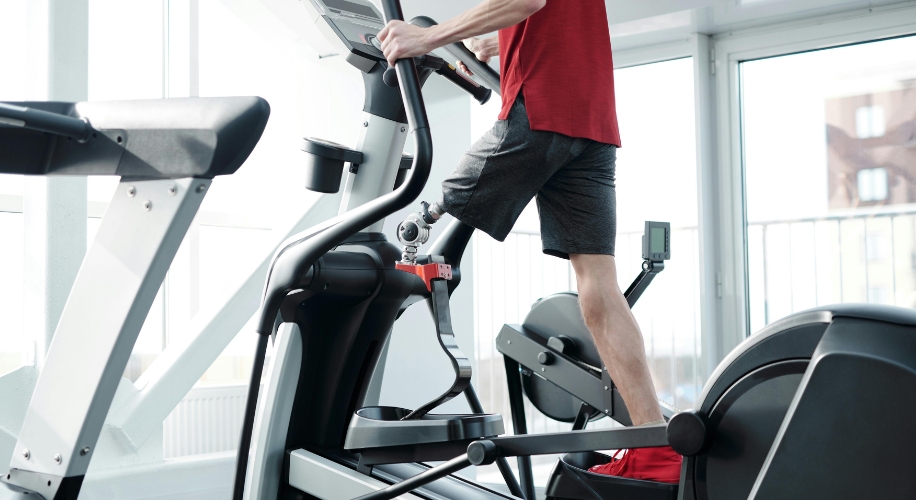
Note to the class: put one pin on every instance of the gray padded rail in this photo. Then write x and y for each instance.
(141, 139)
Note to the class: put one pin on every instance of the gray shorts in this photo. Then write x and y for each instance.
(573, 179)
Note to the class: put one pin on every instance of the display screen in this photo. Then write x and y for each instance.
(657, 240)
(344, 5)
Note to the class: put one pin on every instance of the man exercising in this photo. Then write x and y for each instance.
(556, 139)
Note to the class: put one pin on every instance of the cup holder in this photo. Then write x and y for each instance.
(324, 164)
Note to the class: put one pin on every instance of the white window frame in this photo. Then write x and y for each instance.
(725, 318)
(727, 192)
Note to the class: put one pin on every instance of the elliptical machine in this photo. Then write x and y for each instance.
(334, 291)
(775, 419)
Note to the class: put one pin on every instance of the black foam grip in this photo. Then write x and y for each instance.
(452, 74)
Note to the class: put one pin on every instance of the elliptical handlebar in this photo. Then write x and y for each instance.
(482, 71)
(298, 254)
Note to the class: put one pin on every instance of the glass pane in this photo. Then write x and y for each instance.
(237, 60)
(510, 276)
(829, 169)
(14, 347)
(125, 49)
(226, 255)
(657, 180)
(22, 24)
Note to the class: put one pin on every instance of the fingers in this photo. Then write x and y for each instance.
(388, 37)
(464, 68)
(392, 57)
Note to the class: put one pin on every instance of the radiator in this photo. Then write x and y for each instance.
(208, 420)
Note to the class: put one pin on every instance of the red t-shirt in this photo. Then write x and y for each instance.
(560, 60)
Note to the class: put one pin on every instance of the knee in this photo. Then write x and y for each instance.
(594, 300)
(598, 299)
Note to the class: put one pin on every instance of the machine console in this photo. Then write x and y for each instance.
(656, 241)
(355, 23)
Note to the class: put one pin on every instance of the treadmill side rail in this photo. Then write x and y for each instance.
(114, 290)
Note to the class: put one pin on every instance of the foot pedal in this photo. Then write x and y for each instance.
(381, 435)
(571, 480)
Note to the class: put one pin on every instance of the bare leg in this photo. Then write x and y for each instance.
(616, 334)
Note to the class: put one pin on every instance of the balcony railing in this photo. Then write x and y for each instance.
(855, 257)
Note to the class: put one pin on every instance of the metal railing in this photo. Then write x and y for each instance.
(852, 257)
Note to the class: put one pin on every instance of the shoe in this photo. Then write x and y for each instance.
(661, 465)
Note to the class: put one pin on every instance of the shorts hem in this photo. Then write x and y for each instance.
(479, 225)
(566, 252)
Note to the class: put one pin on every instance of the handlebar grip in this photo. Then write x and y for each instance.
(392, 10)
(43, 121)
(482, 71)
(451, 73)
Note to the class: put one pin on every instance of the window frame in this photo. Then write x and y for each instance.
(728, 51)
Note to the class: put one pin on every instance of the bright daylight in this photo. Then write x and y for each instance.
(464, 250)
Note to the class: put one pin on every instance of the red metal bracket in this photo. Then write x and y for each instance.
(427, 272)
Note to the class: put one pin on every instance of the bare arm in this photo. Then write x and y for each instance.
(401, 40)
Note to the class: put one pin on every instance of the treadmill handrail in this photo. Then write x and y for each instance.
(201, 137)
(44, 121)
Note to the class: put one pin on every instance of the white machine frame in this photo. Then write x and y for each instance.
(113, 293)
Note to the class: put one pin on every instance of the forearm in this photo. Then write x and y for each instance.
(488, 16)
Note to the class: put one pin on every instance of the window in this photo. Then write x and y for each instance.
(872, 184)
(656, 113)
(829, 178)
(869, 122)
(13, 348)
(22, 33)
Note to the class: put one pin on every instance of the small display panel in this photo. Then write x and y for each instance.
(657, 240)
(353, 7)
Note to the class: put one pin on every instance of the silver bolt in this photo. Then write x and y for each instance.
(201, 188)
(509, 341)
(403, 129)
(131, 191)
(543, 369)
(605, 388)
(365, 124)
(58, 459)
(26, 455)
(173, 189)
(606, 410)
(147, 205)
(84, 451)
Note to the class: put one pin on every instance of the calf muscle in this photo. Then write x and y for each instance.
(616, 334)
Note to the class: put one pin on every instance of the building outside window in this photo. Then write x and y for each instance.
(830, 178)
